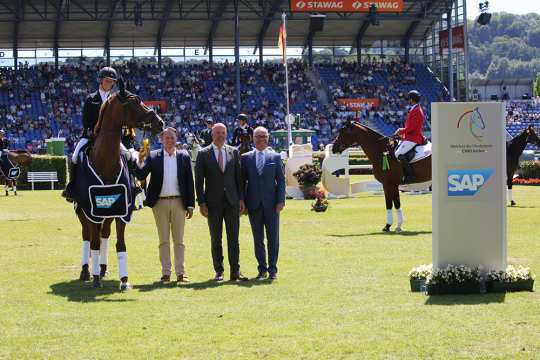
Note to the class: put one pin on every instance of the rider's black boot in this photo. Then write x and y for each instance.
(408, 173)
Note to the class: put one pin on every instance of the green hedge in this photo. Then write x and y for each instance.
(44, 163)
(529, 169)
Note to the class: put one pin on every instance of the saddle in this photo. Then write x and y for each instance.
(7, 169)
(99, 200)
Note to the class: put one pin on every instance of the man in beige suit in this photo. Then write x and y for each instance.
(170, 194)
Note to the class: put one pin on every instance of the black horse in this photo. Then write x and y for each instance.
(514, 149)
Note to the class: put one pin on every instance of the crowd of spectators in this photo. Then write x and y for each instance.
(39, 102)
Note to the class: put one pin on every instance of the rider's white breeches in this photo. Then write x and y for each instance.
(404, 147)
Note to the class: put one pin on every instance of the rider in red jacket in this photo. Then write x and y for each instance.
(411, 134)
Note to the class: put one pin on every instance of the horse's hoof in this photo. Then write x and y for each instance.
(386, 228)
(103, 271)
(512, 203)
(398, 229)
(125, 286)
(85, 274)
(97, 282)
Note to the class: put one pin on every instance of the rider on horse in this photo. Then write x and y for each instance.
(4, 143)
(206, 134)
(243, 134)
(412, 134)
(107, 78)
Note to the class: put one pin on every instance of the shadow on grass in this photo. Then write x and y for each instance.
(391, 233)
(78, 291)
(156, 285)
(521, 207)
(208, 284)
(473, 299)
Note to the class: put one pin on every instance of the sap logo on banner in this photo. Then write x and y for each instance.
(467, 182)
(105, 202)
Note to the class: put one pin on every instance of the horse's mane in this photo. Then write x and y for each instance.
(372, 131)
(517, 137)
(19, 151)
(101, 114)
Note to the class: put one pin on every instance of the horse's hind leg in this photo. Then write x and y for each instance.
(397, 206)
(85, 257)
(6, 187)
(509, 192)
(105, 233)
(121, 252)
(14, 187)
(388, 196)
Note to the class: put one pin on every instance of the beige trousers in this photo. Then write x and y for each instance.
(170, 217)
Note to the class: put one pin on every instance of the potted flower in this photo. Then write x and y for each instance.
(308, 176)
(320, 204)
(512, 279)
(418, 276)
(454, 279)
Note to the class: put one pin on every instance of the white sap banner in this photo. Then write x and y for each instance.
(469, 184)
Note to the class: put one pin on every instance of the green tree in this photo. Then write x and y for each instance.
(537, 85)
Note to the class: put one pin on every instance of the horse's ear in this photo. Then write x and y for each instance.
(122, 88)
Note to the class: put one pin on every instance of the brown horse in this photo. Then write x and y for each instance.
(514, 149)
(121, 110)
(17, 158)
(245, 143)
(379, 150)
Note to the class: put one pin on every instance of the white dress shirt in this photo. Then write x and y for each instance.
(104, 94)
(216, 153)
(170, 176)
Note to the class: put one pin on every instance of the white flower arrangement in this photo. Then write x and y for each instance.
(420, 272)
(453, 274)
(511, 274)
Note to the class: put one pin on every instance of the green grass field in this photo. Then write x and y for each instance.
(343, 291)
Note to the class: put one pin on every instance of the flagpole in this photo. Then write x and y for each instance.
(289, 126)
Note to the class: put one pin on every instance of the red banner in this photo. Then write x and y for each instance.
(346, 6)
(458, 38)
(358, 104)
(159, 106)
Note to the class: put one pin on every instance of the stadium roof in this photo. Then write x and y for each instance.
(192, 23)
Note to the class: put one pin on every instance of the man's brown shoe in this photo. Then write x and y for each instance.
(182, 278)
(165, 278)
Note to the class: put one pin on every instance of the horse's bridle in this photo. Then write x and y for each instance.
(125, 102)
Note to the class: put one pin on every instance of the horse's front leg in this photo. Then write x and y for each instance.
(388, 197)
(14, 187)
(95, 244)
(104, 248)
(121, 252)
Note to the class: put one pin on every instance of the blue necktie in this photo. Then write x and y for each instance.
(260, 162)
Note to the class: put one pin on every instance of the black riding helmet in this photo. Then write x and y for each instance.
(242, 117)
(414, 95)
(107, 72)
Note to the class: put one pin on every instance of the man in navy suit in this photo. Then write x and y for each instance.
(264, 187)
(170, 194)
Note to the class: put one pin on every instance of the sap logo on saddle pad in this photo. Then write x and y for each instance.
(105, 202)
(467, 182)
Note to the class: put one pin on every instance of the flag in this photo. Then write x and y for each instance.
(282, 41)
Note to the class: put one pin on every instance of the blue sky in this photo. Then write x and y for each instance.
(509, 6)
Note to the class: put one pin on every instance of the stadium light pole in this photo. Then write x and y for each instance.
(450, 57)
(466, 49)
(237, 55)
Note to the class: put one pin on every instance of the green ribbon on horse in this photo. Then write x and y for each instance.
(385, 163)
